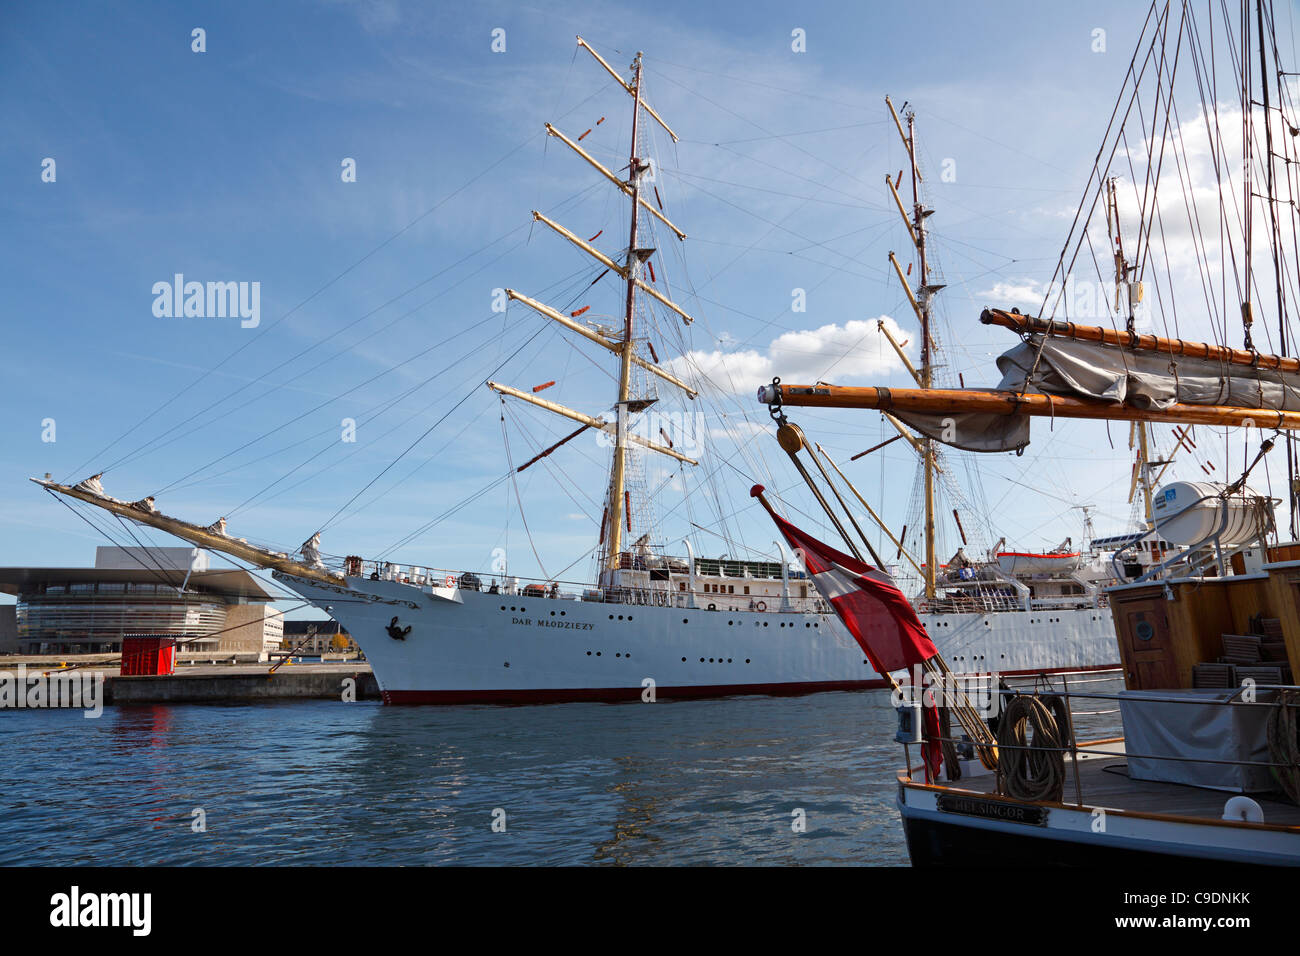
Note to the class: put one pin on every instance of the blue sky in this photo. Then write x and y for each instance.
(225, 165)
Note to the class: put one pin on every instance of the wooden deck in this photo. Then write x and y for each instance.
(1105, 783)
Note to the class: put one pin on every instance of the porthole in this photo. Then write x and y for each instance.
(746, 660)
(598, 653)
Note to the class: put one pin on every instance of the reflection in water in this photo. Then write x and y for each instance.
(323, 782)
(636, 813)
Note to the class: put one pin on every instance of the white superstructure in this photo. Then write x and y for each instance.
(438, 637)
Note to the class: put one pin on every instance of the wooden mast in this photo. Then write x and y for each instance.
(921, 304)
(616, 515)
(1124, 299)
(617, 480)
(927, 372)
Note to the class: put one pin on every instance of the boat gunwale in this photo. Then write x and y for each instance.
(906, 781)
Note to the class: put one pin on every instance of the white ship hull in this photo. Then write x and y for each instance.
(468, 646)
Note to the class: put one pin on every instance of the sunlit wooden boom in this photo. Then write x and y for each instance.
(1030, 324)
(940, 401)
(588, 420)
(593, 336)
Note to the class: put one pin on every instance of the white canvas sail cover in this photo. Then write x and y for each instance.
(93, 484)
(1106, 373)
(311, 551)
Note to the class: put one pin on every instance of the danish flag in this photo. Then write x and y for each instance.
(874, 610)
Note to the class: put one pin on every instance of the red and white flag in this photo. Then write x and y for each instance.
(877, 614)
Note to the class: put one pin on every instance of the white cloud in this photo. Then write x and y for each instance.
(855, 350)
(1023, 294)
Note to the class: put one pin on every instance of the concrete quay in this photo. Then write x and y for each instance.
(214, 683)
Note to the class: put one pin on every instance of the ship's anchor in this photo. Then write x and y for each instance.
(397, 633)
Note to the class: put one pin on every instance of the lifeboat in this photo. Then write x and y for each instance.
(1189, 513)
(1054, 562)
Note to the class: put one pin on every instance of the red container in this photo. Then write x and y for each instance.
(148, 655)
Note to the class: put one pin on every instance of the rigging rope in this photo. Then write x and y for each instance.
(514, 480)
(1032, 770)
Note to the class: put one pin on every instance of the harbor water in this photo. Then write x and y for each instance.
(804, 780)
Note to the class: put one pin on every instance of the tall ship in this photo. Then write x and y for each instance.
(1205, 765)
(649, 622)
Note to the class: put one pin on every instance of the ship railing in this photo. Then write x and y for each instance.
(1072, 686)
(420, 576)
(969, 603)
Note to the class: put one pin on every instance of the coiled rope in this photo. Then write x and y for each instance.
(1032, 770)
(1284, 743)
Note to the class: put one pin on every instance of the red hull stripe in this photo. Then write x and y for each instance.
(567, 695)
(536, 695)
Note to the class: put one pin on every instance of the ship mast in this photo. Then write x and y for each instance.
(920, 301)
(616, 504)
(617, 516)
(1126, 296)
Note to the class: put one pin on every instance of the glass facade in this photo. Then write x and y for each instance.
(91, 617)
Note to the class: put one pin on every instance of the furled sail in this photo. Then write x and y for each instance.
(1149, 379)
(310, 551)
